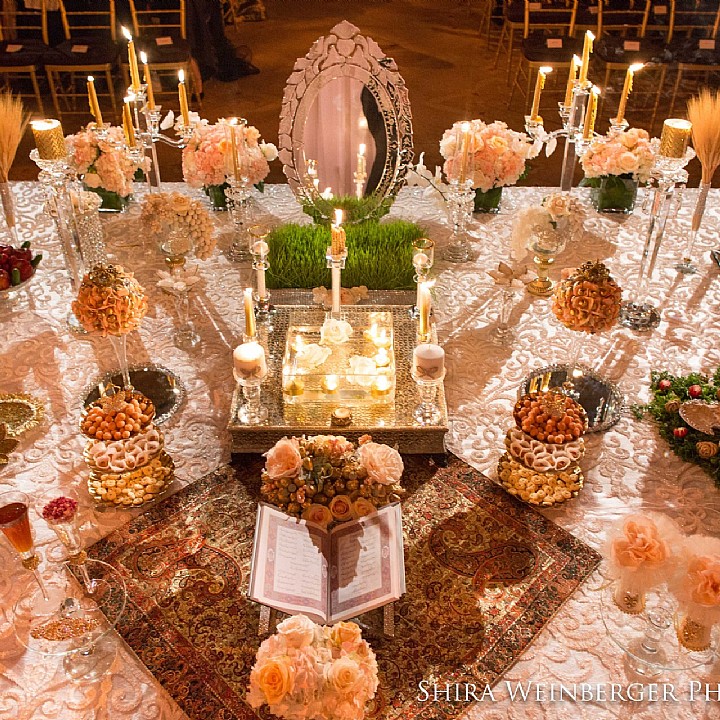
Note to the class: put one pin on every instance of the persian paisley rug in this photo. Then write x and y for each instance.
(484, 574)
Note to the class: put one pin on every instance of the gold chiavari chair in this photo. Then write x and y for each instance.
(160, 30)
(513, 22)
(90, 48)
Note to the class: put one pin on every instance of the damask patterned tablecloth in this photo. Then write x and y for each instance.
(628, 467)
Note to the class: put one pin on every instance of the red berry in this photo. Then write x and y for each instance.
(4, 280)
(694, 391)
(680, 432)
(664, 385)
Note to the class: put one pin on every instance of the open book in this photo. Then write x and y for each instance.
(299, 567)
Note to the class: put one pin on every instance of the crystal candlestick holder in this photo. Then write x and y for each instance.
(423, 258)
(336, 263)
(238, 194)
(259, 250)
(503, 334)
(185, 337)
(459, 203)
(252, 412)
(249, 371)
(427, 412)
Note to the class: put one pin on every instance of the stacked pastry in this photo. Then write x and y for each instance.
(125, 451)
(544, 449)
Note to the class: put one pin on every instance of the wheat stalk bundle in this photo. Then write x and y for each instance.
(13, 121)
(704, 114)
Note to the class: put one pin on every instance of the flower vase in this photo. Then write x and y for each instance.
(613, 193)
(111, 201)
(217, 196)
(693, 635)
(487, 202)
(629, 600)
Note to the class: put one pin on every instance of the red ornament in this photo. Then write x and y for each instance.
(680, 432)
(664, 385)
(694, 391)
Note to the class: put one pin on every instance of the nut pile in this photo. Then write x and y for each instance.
(538, 488)
(133, 488)
(118, 416)
(550, 417)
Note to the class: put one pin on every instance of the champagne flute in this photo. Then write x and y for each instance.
(15, 524)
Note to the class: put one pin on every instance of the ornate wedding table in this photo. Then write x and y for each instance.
(626, 467)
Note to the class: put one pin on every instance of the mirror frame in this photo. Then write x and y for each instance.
(345, 52)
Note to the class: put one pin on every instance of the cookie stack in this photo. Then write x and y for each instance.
(125, 451)
(543, 449)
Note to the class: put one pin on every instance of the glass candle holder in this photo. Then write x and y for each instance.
(423, 258)
(259, 249)
(238, 195)
(249, 370)
(459, 202)
(427, 412)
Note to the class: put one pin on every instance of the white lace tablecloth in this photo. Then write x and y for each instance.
(626, 468)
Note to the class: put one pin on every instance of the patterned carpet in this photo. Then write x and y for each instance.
(484, 574)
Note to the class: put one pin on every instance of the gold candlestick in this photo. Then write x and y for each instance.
(675, 137)
(132, 61)
(148, 81)
(182, 95)
(543, 72)
(49, 139)
(94, 105)
(627, 88)
(585, 62)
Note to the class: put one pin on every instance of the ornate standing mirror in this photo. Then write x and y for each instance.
(345, 127)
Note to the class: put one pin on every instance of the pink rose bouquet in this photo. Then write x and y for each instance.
(621, 154)
(314, 672)
(493, 155)
(105, 164)
(325, 479)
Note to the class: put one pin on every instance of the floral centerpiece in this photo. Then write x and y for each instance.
(106, 165)
(326, 479)
(179, 222)
(318, 673)
(492, 155)
(614, 165)
(204, 160)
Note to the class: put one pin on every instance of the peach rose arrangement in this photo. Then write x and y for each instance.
(496, 155)
(326, 479)
(626, 153)
(314, 672)
(105, 164)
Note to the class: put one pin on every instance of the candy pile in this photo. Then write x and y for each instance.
(125, 451)
(540, 465)
(17, 265)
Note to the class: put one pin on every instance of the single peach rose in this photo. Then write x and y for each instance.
(298, 631)
(344, 676)
(639, 545)
(383, 463)
(341, 507)
(318, 514)
(274, 678)
(362, 506)
(346, 635)
(283, 460)
(704, 578)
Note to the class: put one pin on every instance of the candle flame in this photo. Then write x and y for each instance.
(126, 33)
(338, 216)
(637, 66)
(91, 79)
(128, 100)
(596, 89)
(143, 57)
(546, 69)
(181, 76)
(589, 35)
(576, 61)
(361, 149)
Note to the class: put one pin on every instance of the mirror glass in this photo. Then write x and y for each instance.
(345, 127)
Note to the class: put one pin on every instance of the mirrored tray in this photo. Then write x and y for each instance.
(601, 399)
(161, 385)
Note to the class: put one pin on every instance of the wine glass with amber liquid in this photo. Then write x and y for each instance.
(15, 524)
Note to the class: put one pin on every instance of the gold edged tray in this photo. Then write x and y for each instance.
(121, 487)
(20, 412)
(511, 473)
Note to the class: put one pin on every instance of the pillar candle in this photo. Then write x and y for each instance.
(539, 85)
(250, 328)
(128, 126)
(574, 67)
(94, 105)
(587, 49)
(591, 113)
(627, 87)
(49, 139)
(429, 361)
(424, 303)
(261, 248)
(132, 61)
(148, 82)
(249, 362)
(182, 95)
(675, 137)
(337, 235)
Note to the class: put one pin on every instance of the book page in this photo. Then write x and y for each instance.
(367, 563)
(289, 570)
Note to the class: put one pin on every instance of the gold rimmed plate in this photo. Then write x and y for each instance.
(20, 413)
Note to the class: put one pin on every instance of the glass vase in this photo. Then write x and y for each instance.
(185, 336)
(111, 201)
(86, 207)
(459, 202)
(238, 195)
(216, 194)
(487, 202)
(545, 243)
(503, 333)
(613, 193)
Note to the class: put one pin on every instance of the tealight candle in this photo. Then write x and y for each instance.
(49, 139)
(330, 384)
(428, 362)
(94, 104)
(250, 328)
(382, 359)
(627, 87)
(294, 387)
(148, 82)
(585, 62)
(675, 137)
(381, 386)
(249, 362)
(182, 96)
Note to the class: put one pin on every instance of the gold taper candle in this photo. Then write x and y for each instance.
(585, 62)
(49, 139)
(94, 105)
(233, 148)
(675, 137)
(132, 61)
(250, 327)
(543, 72)
(128, 126)
(424, 303)
(148, 81)
(591, 114)
(574, 67)
(182, 94)
(337, 234)
(627, 88)
(465, 130)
